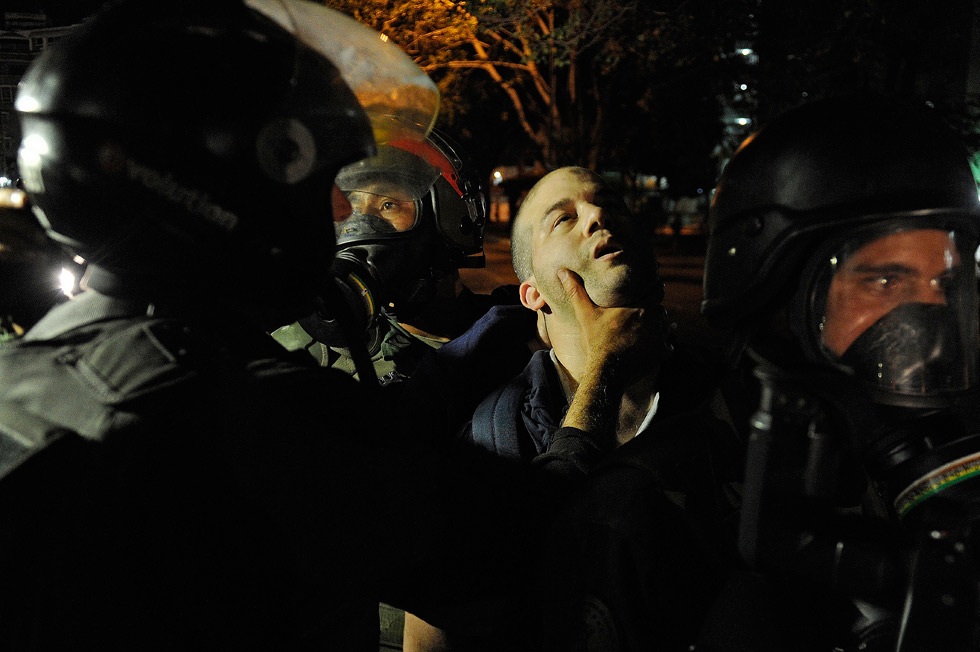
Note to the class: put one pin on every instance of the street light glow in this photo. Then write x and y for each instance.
(67, 282)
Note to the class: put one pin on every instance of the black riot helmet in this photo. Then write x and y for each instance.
(418, 214)
(189, 148)
(814, 214)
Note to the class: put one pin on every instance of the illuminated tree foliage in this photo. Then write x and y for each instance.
(637, 85)
(579, 81)
(435, 33)
(551, 58)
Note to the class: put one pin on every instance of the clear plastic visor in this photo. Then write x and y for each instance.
(398, 97)
(900, 308)
(388, 187)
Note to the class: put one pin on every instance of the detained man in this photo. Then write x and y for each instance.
(575, 231)
(588, 268)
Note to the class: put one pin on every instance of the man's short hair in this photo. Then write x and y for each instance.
(521, 251)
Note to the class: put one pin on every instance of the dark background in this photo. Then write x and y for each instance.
(61, 12)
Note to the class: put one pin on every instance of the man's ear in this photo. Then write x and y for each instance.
(530, 296)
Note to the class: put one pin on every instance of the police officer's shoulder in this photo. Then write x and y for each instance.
(132, 357)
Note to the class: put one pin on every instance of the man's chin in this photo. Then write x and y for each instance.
(612, 299)
(628, 297)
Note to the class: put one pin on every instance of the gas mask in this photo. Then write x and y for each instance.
(853, 221)
(896, 309)
(417, 215)
(390, 233)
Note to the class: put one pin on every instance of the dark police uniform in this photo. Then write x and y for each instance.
(184, 496)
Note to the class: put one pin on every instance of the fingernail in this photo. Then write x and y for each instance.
(562, 274)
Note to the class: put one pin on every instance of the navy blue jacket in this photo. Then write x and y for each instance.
(518, 418)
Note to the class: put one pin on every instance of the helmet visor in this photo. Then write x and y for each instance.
(398, 97)
(900, 308)
(385, 193)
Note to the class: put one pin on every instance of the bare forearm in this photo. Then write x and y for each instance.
(595, 406)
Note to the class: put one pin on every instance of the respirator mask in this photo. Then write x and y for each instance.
(896, 309)
(382, 253)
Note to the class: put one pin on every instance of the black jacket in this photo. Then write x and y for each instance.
(517, 419)
(189, 498)
(643, 550)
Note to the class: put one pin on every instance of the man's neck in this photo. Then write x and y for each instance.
(567, 346)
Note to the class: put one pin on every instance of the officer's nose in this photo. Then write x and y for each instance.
(360, 202)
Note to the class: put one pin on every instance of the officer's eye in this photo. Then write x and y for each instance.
(881, 282)
(389, 206)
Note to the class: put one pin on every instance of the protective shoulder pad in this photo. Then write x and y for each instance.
(22, 435)
(138, 358)
(81, 379)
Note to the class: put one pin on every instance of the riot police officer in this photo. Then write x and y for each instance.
(842, 255)
(163, 484)
(418, 217)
